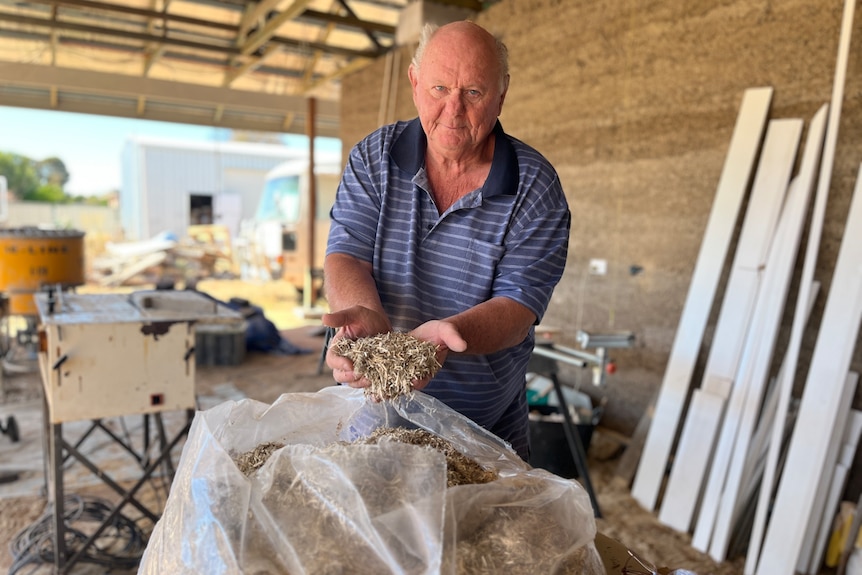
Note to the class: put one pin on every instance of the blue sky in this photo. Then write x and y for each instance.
(91, 146)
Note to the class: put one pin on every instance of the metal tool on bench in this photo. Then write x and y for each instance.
(600, 362)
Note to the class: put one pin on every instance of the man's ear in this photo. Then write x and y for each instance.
(503, 93)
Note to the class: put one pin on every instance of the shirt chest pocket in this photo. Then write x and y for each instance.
(478, 270)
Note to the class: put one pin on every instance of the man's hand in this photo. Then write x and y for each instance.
(445, 336)
(352, 323)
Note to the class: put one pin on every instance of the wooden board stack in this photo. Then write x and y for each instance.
(749, 266)
(726, 467)
(732, 187)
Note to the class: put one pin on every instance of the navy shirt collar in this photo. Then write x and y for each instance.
(408, 152)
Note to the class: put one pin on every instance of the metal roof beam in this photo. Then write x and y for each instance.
(161, 39)
(368, 33)
(131, 88)
(60, 25)
(308, 14)
(254, 14)
(348, 22)
(266, 33)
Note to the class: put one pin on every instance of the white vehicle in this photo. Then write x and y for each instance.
(282, 229)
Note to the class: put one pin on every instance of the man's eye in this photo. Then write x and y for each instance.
(473, 94)
(439, 89)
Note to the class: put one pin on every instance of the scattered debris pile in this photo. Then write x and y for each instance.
(389, 361)
(204, 253)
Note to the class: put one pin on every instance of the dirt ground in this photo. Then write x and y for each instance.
(266, 376)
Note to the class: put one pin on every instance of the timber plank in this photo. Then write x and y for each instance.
(684, 483)
(846, 440)
(809, 444)
(734, 322)
(752, 560)
(732, 187)
(752, 374)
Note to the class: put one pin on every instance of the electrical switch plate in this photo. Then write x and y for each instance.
(598, 267)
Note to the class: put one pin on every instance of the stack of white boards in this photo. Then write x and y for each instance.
(740, 469)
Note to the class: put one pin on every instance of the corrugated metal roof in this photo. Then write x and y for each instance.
(229, 63)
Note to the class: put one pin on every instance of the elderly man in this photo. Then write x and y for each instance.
(450, 229)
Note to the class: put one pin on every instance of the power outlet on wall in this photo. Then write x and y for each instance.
(598, 267)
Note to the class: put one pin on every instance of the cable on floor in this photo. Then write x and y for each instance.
(120, 545)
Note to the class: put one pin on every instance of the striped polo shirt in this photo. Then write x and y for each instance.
(508, 238)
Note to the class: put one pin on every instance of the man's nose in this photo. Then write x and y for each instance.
(456, 101)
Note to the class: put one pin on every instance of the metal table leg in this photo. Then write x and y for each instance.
(56, 482)
(576, 446)
(59, 450)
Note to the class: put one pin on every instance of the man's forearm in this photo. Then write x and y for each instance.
(489, 327)
(348, 282)
(494, 325)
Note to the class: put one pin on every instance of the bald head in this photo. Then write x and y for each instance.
(471, 36)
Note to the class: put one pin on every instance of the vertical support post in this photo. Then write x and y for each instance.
(163, 446)
(308, 292)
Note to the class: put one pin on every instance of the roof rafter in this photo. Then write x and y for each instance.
(266, 33)
(221, 54)
(67, 89)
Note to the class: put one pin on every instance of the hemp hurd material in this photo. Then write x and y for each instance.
(492, 539)
(389, 361)
(460, 469)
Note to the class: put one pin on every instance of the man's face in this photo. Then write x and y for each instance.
(457, 92)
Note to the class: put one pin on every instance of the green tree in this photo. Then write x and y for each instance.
(21, 175)
(52, 171)
(47, 193)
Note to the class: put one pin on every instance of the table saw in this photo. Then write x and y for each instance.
(105, 356)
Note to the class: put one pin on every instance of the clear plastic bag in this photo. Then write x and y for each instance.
(326, 503)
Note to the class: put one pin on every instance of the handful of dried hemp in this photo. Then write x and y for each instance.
(389, 361)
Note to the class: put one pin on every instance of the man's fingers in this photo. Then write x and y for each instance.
(451, 338)
(335, 319)
(349, 378)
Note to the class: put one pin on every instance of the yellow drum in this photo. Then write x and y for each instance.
(32, 259)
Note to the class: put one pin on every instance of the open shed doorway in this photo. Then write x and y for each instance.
(200, 209)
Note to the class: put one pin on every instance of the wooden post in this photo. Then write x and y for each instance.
(308, 292)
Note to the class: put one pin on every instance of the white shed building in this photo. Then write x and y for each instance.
(169, 185)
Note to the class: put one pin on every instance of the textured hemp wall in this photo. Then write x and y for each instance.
(634, 102)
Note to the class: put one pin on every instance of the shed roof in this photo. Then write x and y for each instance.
(253, 65)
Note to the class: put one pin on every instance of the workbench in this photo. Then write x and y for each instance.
(104, 356)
